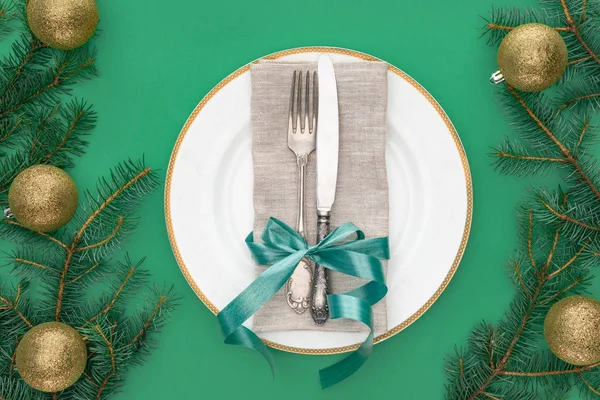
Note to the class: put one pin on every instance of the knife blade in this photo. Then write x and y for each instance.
(327, 169)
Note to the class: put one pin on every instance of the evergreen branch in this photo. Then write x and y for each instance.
(562, 291)
(580, 95)
(116, 296)
(567, 264)
(35, 47)
(109, 345)
(520, 278)
(93, 267)
(66, 68)
(577, 100)
(131, 184)
(566, 218)
(539, 297)
(42, 234)
(579, 60)
(502, 20)
(32, 263)
(587, 383)
(565, 152)
(574, 370)
(13, 306)
(6, 17)
(584, 130)
(490, 396)
(62, 282)
(510, 28)
(89, 378)
(11, 131)
(531, 158)
(39, 131)
(149, 320)
(573, 28)
(105, 240)
(107, 202)
(66, 137)
(13, 389)
(530, 241)
(514, 158)
(13, 357)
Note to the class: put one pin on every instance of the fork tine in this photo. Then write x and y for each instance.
(299, 120)
(291, 118)
(306, 126)
(315, 102)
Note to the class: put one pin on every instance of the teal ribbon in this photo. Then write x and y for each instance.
(282, 248)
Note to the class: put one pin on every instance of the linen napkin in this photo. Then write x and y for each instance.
(362, 189)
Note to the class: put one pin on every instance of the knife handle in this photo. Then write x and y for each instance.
(320, 306)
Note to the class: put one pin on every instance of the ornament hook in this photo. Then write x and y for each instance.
(497, 78)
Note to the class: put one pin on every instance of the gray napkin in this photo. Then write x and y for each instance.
(362, 191)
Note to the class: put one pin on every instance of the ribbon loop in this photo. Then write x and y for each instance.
(282, 249)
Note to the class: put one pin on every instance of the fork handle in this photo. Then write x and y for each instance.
(299, 285)
(319, 305)
(302, 161)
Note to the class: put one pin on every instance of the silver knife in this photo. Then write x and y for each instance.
(327, 168)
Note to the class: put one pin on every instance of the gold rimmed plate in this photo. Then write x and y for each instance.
(209, 212)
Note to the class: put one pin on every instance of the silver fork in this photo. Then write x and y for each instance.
(302, 131)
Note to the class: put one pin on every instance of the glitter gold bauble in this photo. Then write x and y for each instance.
(51, 357)
(572, 330)
(43, 198)
(62, 24)
(532, 57)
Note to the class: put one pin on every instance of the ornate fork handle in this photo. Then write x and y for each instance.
(320, 306)
(299, 285)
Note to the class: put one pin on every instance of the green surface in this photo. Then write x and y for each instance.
(157, 60)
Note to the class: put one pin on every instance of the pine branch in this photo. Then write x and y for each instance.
(513, 158)
(7, 15)
(149, 321)
(547, 133)
(44, 87)
(509, 349)
(574, 28)
(13, 230)
(57, 135)
(12, 388)
(12, 306)
(500, 21)
(126, 282)
(581, 94)
(130, 182)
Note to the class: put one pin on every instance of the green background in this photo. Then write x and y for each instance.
(158, 59)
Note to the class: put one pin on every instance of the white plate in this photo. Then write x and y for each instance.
(208, 201)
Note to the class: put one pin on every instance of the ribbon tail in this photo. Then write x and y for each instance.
(244, 337)
(355, 308)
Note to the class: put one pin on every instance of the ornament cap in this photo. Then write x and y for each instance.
(7, 213)
(497, 78)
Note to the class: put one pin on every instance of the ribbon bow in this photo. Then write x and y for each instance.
(282, 249)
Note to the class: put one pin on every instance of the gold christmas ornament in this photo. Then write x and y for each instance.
(532, 57)
(51, 357)
(43, 198)
(572, 330)
(62, 24)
